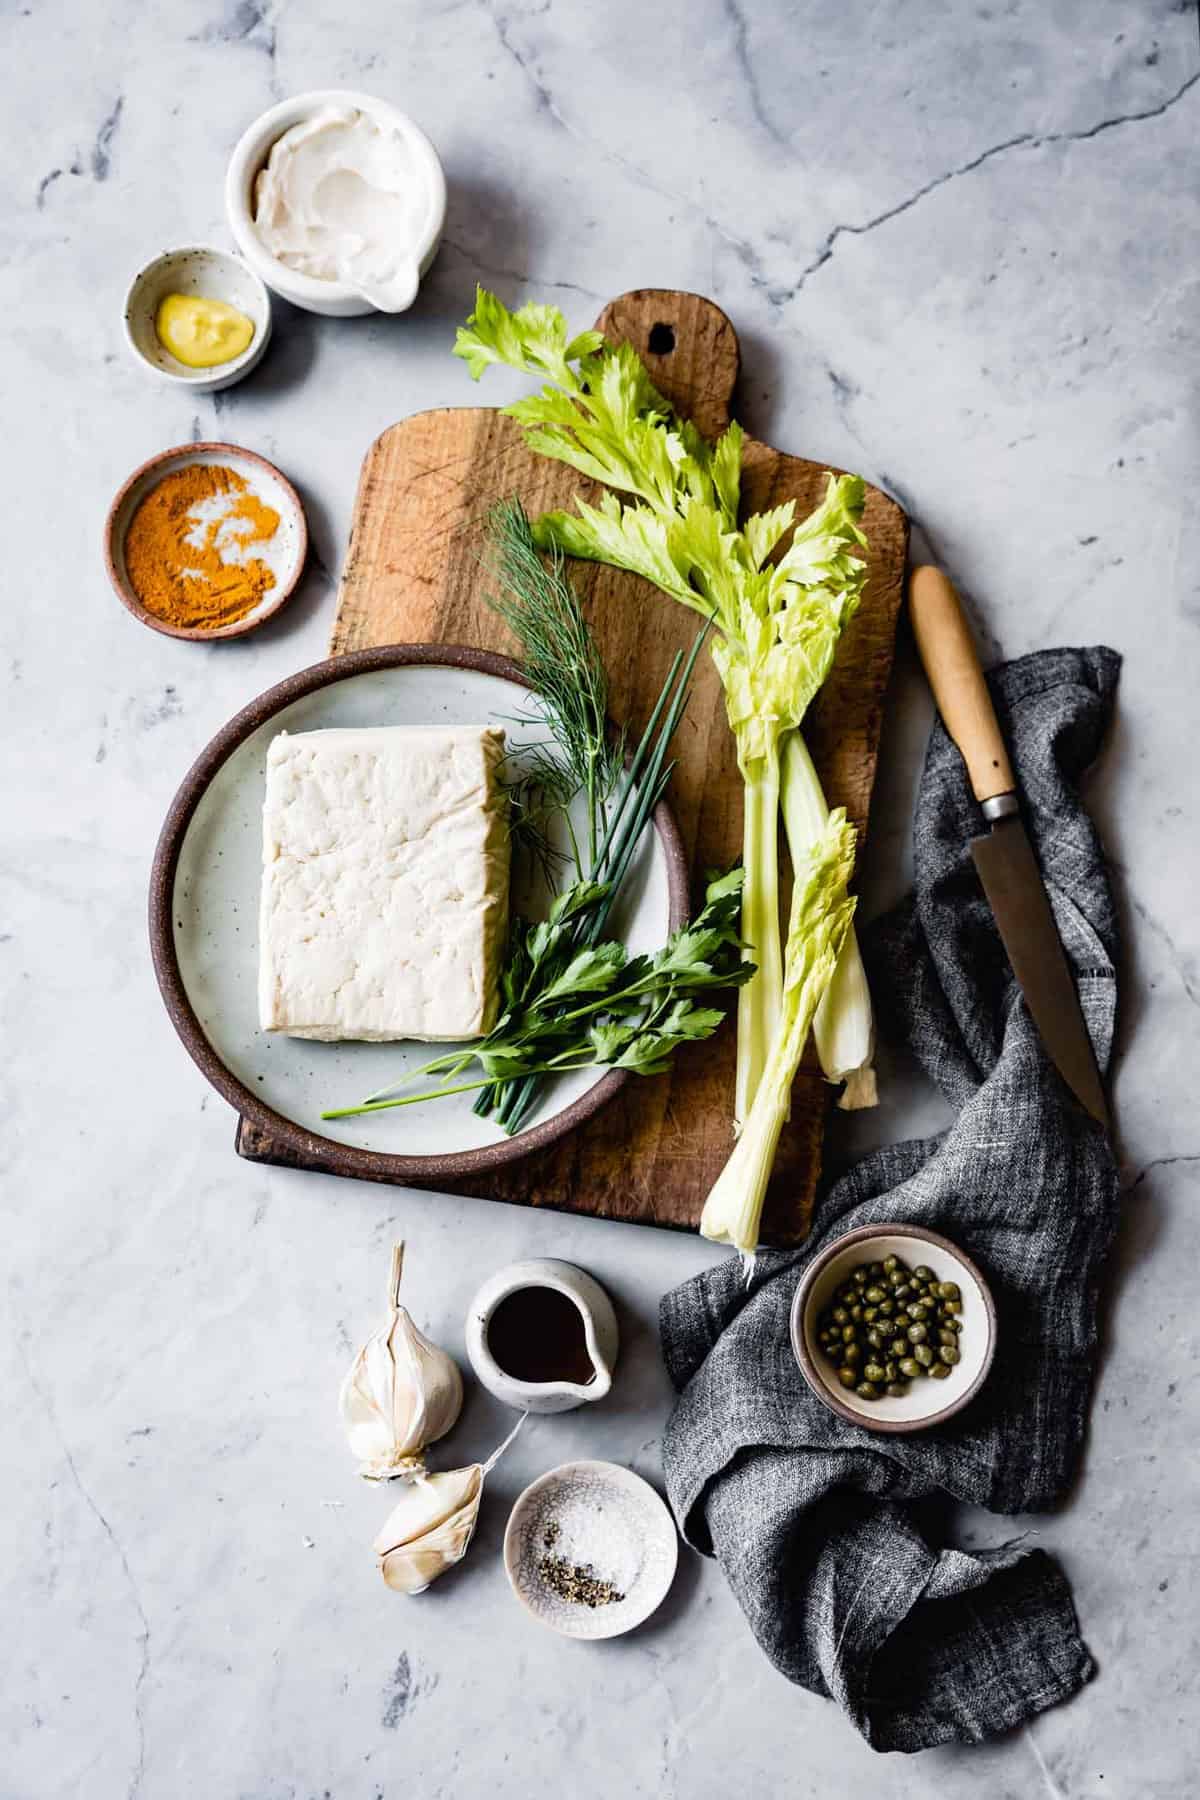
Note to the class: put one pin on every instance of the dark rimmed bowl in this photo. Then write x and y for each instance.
(347, 1159)
(927, 1402)
(265, 480)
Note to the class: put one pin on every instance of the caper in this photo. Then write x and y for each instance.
(910, 1366)
(875, 1294)
(848, 1376)
(955, 1324)
(917, 1334)
(899, 1346)
(890, 1263)
(903, 1291)
(886, 1309)
(890, 1370)
(850, 1353)
(848, 1334)
(896, 1390)
(859, 1277)
(939, 1371)
(856, 1312)
(924, 1355)
(946, 1336)
(923, 1273)
(953, 1307)
(876, 1338)
(873, 1371)
(949, 1354)
(874, 1270)
(840, 1316)
(870, 1314)
(866, 1390)
(949, 1290)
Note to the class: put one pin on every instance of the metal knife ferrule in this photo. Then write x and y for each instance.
(1000, 806)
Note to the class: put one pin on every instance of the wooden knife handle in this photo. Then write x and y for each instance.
(952, 664)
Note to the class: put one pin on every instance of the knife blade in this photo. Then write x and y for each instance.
(1003, 856)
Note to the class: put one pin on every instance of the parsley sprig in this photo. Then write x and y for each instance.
(568, 1004)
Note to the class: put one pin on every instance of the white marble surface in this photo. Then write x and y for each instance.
(959, 244)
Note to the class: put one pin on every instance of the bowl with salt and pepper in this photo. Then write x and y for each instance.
(590, 1550)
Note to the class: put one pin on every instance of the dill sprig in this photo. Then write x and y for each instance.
(544, 614)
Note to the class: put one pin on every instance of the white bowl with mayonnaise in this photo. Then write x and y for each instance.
(337, 200)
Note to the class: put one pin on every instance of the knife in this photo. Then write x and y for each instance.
(1003, 857)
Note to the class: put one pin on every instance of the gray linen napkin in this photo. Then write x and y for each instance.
(829, 1534)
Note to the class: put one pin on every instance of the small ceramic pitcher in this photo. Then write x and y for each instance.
(599, 1331)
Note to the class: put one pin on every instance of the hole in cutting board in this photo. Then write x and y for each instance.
(661, 340)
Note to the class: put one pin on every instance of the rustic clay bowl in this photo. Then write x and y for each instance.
(927, 1402)
(286, 553)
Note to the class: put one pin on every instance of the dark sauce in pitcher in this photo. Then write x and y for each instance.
(537, 1334)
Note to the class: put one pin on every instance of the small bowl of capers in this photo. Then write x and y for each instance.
(894, 1328)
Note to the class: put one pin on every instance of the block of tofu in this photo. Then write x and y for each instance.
(385, 883)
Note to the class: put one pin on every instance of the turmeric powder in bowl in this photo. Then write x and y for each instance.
(189, 549)
(205, 541)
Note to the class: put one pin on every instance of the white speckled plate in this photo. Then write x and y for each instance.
(204, 924)
(602, 1517)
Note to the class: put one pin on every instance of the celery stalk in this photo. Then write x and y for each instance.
(843, 1028)
(820, 919)
(759, 1002)
(778, 591)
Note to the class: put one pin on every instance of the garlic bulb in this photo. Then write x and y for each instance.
(428, 1531)
(401, 1394)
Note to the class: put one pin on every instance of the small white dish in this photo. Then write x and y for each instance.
(214, 274)
(927, 1402)
(599, 1516)
(599, 1333)
(335, 299)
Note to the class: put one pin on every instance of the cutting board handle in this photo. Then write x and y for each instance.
(952, 664)
(688, 345)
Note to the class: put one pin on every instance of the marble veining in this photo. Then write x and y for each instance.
(959, 247)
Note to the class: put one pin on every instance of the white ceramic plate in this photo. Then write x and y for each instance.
(597, 1515)
(204, 921)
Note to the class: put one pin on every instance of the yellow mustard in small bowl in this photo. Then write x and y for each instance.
(198, 318)
(200, 332)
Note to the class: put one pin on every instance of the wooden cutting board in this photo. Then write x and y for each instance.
(412, 574)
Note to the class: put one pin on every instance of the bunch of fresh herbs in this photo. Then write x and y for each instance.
(570, 999)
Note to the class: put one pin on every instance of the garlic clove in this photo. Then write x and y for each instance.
(432, 1524)
(401, 1394)
(429, 1530)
